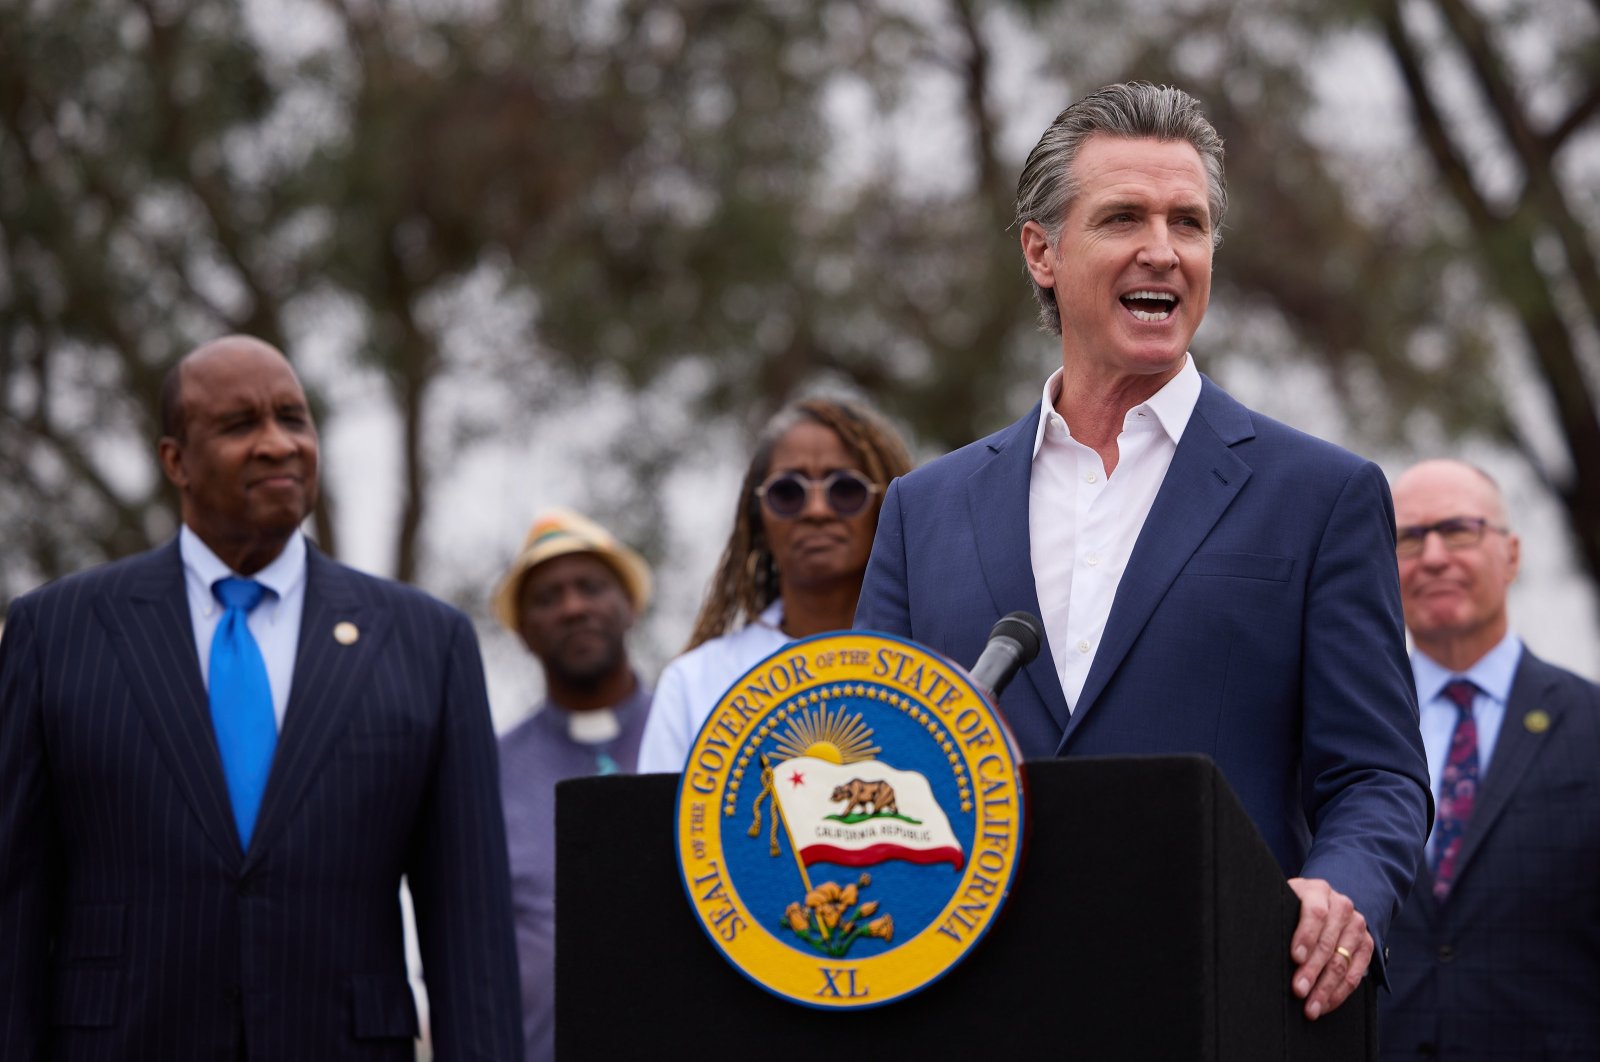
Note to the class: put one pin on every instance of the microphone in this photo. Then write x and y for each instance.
(1013, 643)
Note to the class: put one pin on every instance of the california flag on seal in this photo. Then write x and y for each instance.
(860, 814)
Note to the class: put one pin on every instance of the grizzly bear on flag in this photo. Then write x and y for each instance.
(879, 795)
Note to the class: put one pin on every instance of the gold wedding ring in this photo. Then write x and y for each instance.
(1346, 952)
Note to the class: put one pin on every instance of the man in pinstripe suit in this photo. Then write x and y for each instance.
(142, 916)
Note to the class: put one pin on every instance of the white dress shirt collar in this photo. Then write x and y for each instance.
(1492, 674)
(1173, 405)
(203, 567)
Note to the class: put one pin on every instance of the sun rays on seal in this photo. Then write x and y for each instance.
(825, 735)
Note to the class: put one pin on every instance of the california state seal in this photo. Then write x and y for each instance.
(850, 820)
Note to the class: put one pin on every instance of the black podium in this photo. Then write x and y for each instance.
(1148, 921)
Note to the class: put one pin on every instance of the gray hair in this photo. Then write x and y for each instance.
(1134, 110)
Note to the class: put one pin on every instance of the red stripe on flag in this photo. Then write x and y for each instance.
(880, 853)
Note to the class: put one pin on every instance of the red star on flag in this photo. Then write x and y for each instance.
(797, 779)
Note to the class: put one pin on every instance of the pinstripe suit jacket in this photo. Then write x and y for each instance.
(1508, 966)
(132, 925)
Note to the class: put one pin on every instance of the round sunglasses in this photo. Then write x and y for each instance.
(846, 491)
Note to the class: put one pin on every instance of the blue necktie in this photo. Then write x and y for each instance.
(241, 702)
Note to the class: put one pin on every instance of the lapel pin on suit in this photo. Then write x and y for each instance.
(346, 633)
(1537, 721)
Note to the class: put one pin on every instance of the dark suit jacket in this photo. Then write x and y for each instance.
(1258, 622)
(1508, 966)
(133, 925)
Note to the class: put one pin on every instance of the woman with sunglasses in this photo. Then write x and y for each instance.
(802, 533)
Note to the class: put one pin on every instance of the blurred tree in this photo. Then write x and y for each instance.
(126, 234)
(1533, 239)
(728, 202)
(724, 233)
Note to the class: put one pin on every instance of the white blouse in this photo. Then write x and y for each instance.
(691, 686)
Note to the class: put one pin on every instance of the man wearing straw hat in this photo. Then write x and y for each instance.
(571, 594)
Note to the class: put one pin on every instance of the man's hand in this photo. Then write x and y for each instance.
(1331, 947)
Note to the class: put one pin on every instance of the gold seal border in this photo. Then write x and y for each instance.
(981, 749)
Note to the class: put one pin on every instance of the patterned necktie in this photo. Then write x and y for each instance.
(1458, 789)
(241, 702)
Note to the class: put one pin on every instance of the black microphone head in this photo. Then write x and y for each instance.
(1022, 628)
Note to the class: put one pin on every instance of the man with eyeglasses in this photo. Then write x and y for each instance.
(1496, 954)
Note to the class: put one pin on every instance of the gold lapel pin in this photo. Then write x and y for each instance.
(346, 633)
(1537, 721)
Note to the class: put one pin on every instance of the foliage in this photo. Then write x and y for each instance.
(732, 202)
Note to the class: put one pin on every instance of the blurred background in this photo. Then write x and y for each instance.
(575, 251)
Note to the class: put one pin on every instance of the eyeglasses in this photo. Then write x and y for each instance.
(1458, 532)
(847, 492)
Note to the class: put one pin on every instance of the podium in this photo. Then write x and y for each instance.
(1148, 921)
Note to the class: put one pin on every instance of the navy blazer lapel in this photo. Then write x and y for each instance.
(1202, 481)
(1533, 687)
(330, 671)
(153, 635)
(997, 497)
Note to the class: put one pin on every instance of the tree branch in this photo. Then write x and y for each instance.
(1430, 120)
(1506, 246)
(77, 460)
(1542, 195)
(1581, 112)
(975, 97)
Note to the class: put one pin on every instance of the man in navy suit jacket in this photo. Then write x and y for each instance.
(1496, 954)
(137, 922)
(1209, 580)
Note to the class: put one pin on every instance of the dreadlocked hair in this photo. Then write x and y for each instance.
(746, 581)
